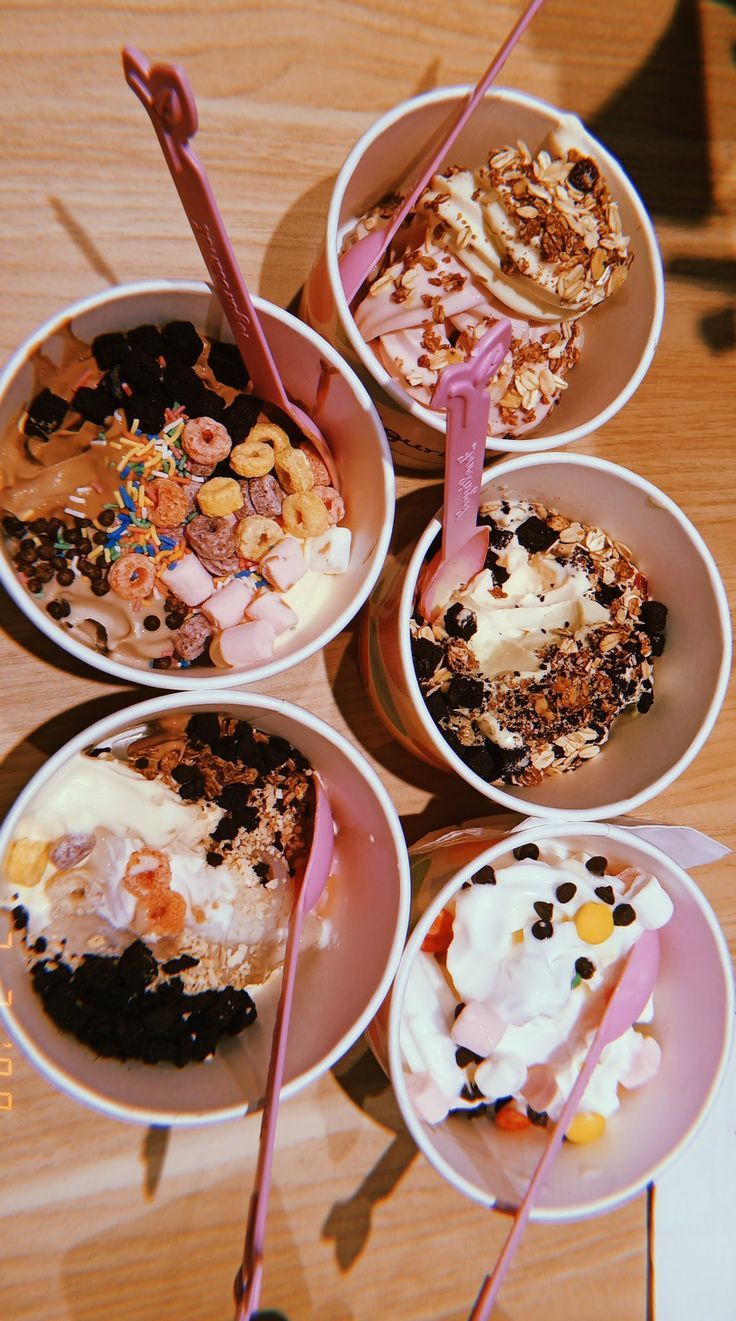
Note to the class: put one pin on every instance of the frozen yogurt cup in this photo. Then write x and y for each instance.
(643, 754)
(346, 965)
(691, 1022)
(619, 337)
(230, 606)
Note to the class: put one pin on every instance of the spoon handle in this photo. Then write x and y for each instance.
(248, 1278)
(461, 391)
(626, 1004)
(166, 94)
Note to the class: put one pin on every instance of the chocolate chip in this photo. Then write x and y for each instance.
(151, 623)
(106, 517)
(460, 622)
(583, 175)
(584, 968)
(58, 609)
(227, 366)
(13, 526)
(485, 876)
(623, 915)
(645, 703)
(605, 892)
(542, 930)
(182, 342)
(20, 917)
(240, 416)
(465, 693)
(526, 851)
(34, 585)
(427, 656)
(654, 616)
(214, 859)
(44, 573)
(45, 414)
(94, 405)
(109, 350)
(540, 1118)
(597, 865)
(100, 587)
(543, 909)
(175, 619)
(149, 339)
(535, 535)
(565, 892)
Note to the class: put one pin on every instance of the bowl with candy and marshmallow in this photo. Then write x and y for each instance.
(497, 998)
(163, 523)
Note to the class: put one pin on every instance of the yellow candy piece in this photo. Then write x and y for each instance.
(254, 458)
(255, 535)
(220, 496)
(586, 1127)
(26, 861)
(271, 434)
(304, 515)
(594, 922)
(294, 472)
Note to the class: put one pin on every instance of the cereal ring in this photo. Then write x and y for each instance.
(168, 502)
(294, 471)
(256, 535)
(166, 913)
(319, 470)
(213, 542)
(70, 850)
(252, 459)
(192, 637)
(305, 515)
(270, 433)
(247, 506)
(147, 872)
(266, 495)
(333, 503)
(219, 496)
(206, 441)
(132, 577)
(200, 469)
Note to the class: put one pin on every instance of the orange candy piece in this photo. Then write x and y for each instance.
(510, 1119)
(437, 939)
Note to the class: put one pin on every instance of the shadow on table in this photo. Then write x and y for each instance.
(179, 1260)
(307, 215)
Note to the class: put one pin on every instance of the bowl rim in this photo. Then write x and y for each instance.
(62, 1077)
(433, 420)
(525, 805)
(186, 681)
(534, 833)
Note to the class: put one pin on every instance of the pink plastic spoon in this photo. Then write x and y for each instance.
(307, 891)
(356, 264)
(460, 390)
(625, 1006)
(164, 91)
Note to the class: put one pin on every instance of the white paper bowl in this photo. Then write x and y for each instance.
(620, 335)
(346, 417)
(338, 990)
(644, 754)
(693, 1013)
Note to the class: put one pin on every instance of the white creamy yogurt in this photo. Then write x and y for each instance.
(536, 1009)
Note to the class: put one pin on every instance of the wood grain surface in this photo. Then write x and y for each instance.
(98, 1219)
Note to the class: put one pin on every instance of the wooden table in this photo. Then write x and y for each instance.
(99, 1219)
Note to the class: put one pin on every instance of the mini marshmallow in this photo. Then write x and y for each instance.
(501, 1076)
(187, 579)
(643, 1063)
(478, 1027)
(274, 611)
(245, 644)
(284, 564)
(330, 553)
(227, 606)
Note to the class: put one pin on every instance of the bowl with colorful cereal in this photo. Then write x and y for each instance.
(497, 998)
(163, 523)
